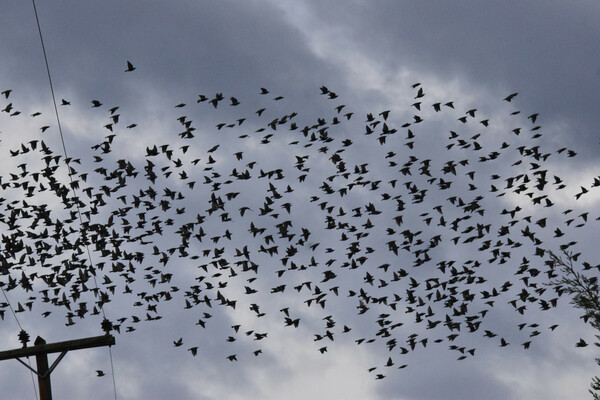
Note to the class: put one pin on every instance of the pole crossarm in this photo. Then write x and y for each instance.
(77, 344)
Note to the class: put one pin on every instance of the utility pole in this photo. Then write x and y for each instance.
(41, 349)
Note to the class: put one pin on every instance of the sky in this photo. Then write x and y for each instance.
(368, 57)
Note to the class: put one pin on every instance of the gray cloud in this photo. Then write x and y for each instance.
(363, 51)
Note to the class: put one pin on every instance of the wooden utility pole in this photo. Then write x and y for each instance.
(41, 360)
(41, 350)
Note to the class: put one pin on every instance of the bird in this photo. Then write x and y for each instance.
(130, 67)
(100, 373)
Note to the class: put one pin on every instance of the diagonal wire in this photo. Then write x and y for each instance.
(63, 143)
(113, 371)
(101, 304)
(20, 327)
(11, 308)
(49, 77)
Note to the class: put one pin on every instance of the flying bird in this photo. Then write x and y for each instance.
(130, 67)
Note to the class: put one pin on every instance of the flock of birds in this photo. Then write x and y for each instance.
(417, 233)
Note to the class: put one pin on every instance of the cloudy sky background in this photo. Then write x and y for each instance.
(369, 53)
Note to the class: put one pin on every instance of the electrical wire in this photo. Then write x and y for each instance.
(37, 20)
(101, 305)
(11, 308)
(21, 328)
(113, 372)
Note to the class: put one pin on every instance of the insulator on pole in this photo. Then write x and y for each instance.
(23, 337)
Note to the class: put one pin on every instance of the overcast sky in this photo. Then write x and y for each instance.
(370, 54)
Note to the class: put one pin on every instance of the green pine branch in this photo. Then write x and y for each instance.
(585, 294)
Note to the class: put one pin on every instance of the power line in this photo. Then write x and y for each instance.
(11, 308)
(63, 141)
(22, 330)
(37, 20)
(101, 304)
